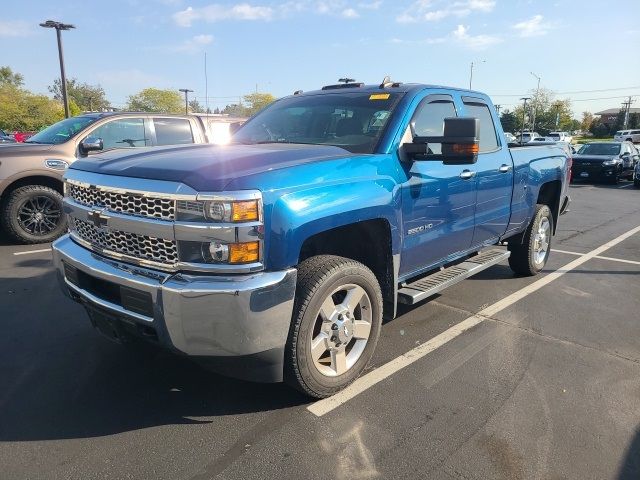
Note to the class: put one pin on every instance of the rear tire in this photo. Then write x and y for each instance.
(33, 214)
(336, 323)
(529, 256)
(636, 183)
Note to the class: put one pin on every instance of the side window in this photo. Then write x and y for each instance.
(122, 133)
(428, 121)
(488, 137)
(173, 131)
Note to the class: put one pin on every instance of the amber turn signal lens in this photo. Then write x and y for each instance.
(465, 148)
(244, 211)
(244, 252)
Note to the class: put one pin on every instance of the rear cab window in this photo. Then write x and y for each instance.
(488, 135)
(172, 131)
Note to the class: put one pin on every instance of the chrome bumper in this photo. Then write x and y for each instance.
(199, 315)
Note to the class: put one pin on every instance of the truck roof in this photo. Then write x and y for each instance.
(395, 87)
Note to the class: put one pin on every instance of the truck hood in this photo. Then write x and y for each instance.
(23, 149)
(206, 167)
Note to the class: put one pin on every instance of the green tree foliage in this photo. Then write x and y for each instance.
(253, 103)
(7, 77)
(157, 101)
(599, 129)
(88, 98)
(550, 114)
(634, 120)
(23, 111)
(509, 121)
(587, 120)
(196, 107)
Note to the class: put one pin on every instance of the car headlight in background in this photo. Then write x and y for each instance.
(608, 163)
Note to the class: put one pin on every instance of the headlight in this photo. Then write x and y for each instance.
(219, 253)
(610, 162)
(219, 211)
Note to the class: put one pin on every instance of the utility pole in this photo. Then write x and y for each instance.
(524, 115)
(498, 107)
(186, 99)
(59, 26)
(535, 107)
(627, 108)
(471, 72)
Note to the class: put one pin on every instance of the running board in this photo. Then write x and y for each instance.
(419, 290)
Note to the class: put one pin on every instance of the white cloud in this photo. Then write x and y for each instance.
(534, 27)
(194, 44)
(15, 28)
(474, 42)
(375, 5)
(424, 10)
(350, 13)
(217, 12)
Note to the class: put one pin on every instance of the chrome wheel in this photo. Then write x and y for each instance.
(39, 215)
(541, 241)
(341, 330)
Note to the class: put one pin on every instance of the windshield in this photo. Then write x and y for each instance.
(600, 149)
(62, 131)
(353, 121)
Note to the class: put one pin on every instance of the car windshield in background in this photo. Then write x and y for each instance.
(62, 131)
(600, 149)
(353, 121)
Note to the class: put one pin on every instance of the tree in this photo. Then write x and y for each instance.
(7, 77)
(195, 107)
(88, 98)
(509, 121)
(634, 120)
(587, 120)
(157, 101)
(254, 103)
(22, 110)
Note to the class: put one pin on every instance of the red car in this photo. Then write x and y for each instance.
(22, 136)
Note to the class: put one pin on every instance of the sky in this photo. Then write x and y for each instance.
(582, 50)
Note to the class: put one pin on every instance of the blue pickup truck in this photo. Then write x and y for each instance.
(276, 257)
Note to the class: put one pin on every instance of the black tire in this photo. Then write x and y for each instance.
(13, 214)
(636, 183)
(523, 253)
(317, 278)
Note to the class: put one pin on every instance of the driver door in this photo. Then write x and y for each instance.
(438, 201)
(127, 132)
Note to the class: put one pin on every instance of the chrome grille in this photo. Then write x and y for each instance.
(144, 247)
(127, 203)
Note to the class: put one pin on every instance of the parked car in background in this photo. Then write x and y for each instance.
(526, 137)
(511, 138)
(31, 172)
(636, 175)
(608, 161)
(6, 138)
(627, 135)
(542, 140)
(561, 136)
(22, 136)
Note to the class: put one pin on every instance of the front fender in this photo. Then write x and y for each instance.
(296, 216)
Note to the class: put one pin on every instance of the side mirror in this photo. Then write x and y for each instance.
(460, 143)
(90, 144)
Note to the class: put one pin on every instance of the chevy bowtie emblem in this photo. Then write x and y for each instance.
(98, 218)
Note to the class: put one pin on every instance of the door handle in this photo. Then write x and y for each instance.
(504, 168)
(467, 174)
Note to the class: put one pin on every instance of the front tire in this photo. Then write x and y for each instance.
(33, 214)
(529, 256)
(336, 323)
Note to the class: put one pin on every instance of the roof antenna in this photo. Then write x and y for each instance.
(346, 80)
(387, 82)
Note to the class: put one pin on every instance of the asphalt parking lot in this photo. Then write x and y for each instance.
(541, 382)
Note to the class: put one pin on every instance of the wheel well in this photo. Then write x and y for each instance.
(367, 242)
(549, 195)
(35, 180)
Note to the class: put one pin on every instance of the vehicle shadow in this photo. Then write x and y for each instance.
(630, 466)
(59, 379)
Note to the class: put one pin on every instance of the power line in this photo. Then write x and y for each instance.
(573, 92)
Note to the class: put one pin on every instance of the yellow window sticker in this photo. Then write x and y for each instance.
(380, 96)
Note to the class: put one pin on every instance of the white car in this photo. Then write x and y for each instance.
(561, 136)
(528, 136)
(627, 135)
(511, 138)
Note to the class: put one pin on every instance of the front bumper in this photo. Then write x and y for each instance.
(241, 320)
(594, 172)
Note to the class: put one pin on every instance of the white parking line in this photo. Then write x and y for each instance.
(566, 252)
(322, 407)
(622, 260)
(33, 251)
(628, 185)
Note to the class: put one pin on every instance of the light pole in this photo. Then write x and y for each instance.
(524, 114)
(186, 99)
(535, 107)
(471, 72)
(59, 26)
